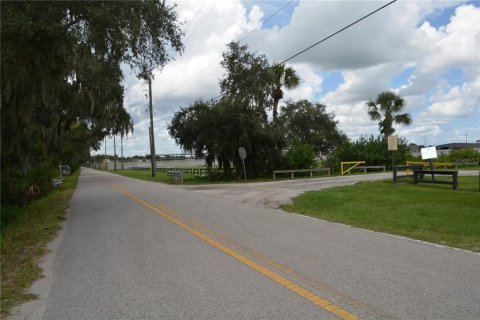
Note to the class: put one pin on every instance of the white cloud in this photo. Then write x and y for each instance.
(311, 83)
(457, 43)
(255, 18)
(194, 74)
(459, 102)
(453, 46)
(368, 56)
(362, 84)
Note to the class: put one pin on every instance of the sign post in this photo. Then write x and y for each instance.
(392, 146)
(243, 154)
(429, 154)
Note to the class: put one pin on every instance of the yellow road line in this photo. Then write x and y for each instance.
(290, 272)
(304, 293)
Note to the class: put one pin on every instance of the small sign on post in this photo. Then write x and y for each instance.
(243, 154)
(392, 143)
(429, 154)
(392, 146)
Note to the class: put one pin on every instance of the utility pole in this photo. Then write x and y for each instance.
(121, 149)
(105, 158)
(114, 154)
(153, 157)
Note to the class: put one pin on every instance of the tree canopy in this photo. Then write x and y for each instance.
(217, 129)
(61, 77)
(282, 76)
(309, 123)
(247, 77)
(386, 109)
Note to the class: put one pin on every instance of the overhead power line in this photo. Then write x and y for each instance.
(166, 118)
(337, 32)
(265, 21)
(201, 22)
(328, 37)
(302, 51)
(196, 14)
(241, 39)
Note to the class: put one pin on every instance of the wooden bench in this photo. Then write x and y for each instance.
(418, 176)
(176, 176)
(292, 172)
(405, 168)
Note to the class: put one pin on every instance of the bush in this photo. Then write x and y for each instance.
(300, 156)
(465, 155)
(374, 151)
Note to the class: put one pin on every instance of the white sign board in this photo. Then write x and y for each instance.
(392, 143)
(429, 153)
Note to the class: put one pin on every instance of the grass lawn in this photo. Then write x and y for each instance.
(192, 179)
(433, 213)
(160, 176)
(145, 175)
(24, 236)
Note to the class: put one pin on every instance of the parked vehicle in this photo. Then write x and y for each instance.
(65, 170)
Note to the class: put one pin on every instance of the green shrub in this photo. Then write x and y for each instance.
(465, 155)
(300, 156)
(374, 151)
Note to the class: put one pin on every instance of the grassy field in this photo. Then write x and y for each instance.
(24, 237)
(433, 213)
(160, 176)
(187, 178)
(147, 175)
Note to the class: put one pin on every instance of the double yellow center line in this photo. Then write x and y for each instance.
(304, 293)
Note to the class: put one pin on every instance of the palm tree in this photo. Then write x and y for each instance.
(386, 109)
(282, 77)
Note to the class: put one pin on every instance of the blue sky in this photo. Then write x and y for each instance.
(426, 51)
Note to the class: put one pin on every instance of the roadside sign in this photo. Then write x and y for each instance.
(429, 153)
(392, 143)
(242, 153)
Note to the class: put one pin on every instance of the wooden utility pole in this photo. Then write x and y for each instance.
(153, 158)
(114, 154)
(121, 149)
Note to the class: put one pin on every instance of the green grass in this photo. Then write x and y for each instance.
(24, 237)
(160, 176)
(433, 213)
(144, 175)
(190, 179)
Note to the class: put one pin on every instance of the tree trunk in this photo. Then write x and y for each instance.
(275, 108)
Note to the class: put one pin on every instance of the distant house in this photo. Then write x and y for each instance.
(414, 149)
(446, 148)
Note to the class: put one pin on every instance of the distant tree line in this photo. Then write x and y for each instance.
(61, 79)
(464, 155)
(250, 87)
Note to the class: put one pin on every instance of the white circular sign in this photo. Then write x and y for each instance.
(242, 153)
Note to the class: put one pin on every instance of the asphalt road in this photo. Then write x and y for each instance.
(139, 250)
